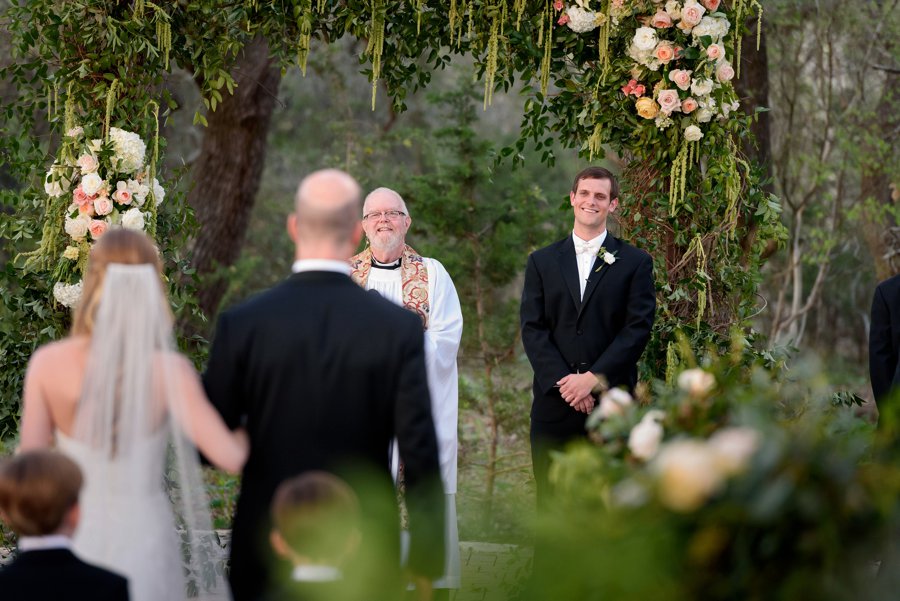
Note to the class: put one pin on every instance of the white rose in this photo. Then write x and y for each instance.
(67, 295)
(704, 115)
(55, 184)
(644, 39)
(614, 402)
(133, 219)
(581, 20)
(77, 227)
(644, 438)
(696, 382)
(701, 87)
(158, 192)
(87, 163)
(692, 133)
(733, 448)
(138, 191)
(91, 183)
(673, 7)
(687, 474)
(609, 258)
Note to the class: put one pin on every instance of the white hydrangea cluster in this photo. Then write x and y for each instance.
(129, 150)
(713, 26)
(67, 295)
(582, 19)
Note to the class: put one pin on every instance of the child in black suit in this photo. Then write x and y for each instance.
(39, 501)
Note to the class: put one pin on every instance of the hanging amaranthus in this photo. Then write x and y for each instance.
(519, 7)
(110, 104)
(304, 25)
(418, 5)
(493, 50)
(740, 8)
(697, 248)
(163, 32)
(151, 210)
(671, 363)
(376, 44)
(678, 176)
(547, 40)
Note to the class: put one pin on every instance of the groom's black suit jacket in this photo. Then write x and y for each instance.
(605, 333)
(884, 339)
(324, 376)
(53, 574)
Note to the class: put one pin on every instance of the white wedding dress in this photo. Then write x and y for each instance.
(130, 531)
(144, 512)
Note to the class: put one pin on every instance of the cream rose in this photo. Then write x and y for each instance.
(87, 163)
(661, 20)
(687, 474)
(668, 101)
(133, 219)
(691, 13)
(705, 115)
(673, 8)
(715, 52)
(77, 227)
(692, 133)
(91, 183)
(103, 205)
(644, 39)
(646, 107)
(71, 253)
(696, 382)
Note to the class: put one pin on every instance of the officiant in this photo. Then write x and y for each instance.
(395, 270)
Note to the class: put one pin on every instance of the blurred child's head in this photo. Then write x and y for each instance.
(39, 493)
(316, 519)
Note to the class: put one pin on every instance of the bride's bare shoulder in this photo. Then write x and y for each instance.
(58, 353)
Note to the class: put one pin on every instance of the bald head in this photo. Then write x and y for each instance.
(326, 208)
(385, 194)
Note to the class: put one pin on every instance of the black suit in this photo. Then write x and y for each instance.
(884, 338)
(53, 574)
(605, 333)
(326, 375)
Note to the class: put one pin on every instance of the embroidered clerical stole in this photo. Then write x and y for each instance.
(413, 278)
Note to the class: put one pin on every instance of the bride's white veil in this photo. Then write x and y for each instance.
(130, 415)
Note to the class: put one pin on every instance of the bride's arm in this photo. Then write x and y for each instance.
(226, 449)
(36, 429)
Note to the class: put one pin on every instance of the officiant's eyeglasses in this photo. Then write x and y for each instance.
(376, 215)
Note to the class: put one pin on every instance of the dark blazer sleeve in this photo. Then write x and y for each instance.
(220, 380)
(882, 355)
(546, 360)
(417, 443)
(626, 348)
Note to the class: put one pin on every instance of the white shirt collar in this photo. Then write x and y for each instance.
(596, 242)
(301, 265)
(309, 573)
(41, 543)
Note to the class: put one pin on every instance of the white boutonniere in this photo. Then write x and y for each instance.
(608, 257)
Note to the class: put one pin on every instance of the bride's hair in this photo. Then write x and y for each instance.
(120, 245)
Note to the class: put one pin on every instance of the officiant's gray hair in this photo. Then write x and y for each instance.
(387, 192)
(327, 205)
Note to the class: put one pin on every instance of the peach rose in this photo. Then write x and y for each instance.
(691, 13)
(681, 78)
(103, 205)
(80, 197)
(711, 5)
(664, 52)
(724, 72)
(97, 228)
(715, 52)
(646, 107)
(122, 195)
(688, 105)
(668, 101)
(661, 20)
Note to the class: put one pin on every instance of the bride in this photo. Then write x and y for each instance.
(117, 397)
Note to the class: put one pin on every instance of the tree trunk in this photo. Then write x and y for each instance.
(228, 170)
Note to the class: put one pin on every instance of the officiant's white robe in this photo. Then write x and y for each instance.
(445, 323)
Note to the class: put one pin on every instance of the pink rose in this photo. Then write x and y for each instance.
(558, 5)
(639, 90)
(97, 228)
(661, 20)
(688, 105)
(724, 72)
(668, 101)
(691, 13)
(87, 163)
(711, 5)
(122, 196)
(664, 52)
(680, 78)
(103, 205)
(633, 88)
(80, 197)
(563, 19)
(715, 52)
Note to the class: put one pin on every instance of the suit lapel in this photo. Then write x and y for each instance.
(611, 245)
(568, 267)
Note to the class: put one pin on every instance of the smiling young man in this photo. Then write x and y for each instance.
(587, 310)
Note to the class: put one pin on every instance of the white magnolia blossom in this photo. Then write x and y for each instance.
(733, 448)
(129, 150)
(91, 183)
(77, 227)
(67, 295)
(714, 27)
(133, 219)
(645, 438)
(581, 19)
(692, 133)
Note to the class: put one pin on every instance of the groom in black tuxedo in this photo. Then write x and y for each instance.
(324, 375)
(587, 309)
